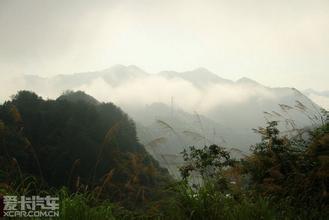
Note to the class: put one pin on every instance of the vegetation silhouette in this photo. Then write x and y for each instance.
(87, 153)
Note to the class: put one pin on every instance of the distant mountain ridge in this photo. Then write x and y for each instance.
(319, 97)
(324, 93)
(173, 110)
(199, 77)
(119, 74)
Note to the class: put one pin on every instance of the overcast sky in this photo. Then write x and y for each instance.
(278, 43)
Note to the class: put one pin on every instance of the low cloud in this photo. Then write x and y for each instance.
(323, 101)
(144, 91)
(9, 84)
(136, 93)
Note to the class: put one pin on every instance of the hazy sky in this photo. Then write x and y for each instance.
(278, 43)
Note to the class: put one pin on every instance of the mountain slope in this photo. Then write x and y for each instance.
(195, 104)
(78, 144)
(320, 98)
(200, 77)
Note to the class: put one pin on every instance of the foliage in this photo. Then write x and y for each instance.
(80, 206)
(77, 144)
(295, 175)
(208, 161)
(215, 197)
(87, 154)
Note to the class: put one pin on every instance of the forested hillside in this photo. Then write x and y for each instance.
(87, 154)
(229, 109)
(75, 141)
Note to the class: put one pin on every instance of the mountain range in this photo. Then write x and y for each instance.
(174, 110)
(321, 98)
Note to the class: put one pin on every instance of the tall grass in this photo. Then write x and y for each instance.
(83, 206)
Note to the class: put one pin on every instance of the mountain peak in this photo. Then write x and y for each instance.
(202, 70)
(245, 80)
(200, 77)
(77, 96)
(123, 68)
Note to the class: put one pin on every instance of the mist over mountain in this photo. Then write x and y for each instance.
(199, 77)
(320, 98)
(173, 110)
(176, 109)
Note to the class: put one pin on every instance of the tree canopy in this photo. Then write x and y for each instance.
(75, 141)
